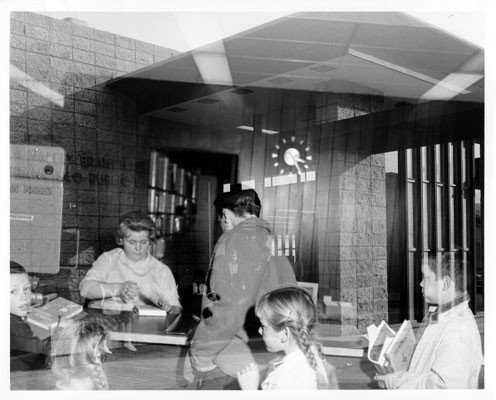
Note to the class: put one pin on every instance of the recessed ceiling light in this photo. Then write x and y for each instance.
(322, 68)
(176, 109)
(208, 101)
(242, 91)
(280, 80)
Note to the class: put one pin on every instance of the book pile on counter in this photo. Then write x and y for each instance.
(49, 315)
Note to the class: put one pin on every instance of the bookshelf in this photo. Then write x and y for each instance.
(172, 193)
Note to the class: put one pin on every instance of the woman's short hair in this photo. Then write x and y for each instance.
(16, 268)
(134, 221)
(240, 202)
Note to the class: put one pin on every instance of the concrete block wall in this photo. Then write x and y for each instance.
(352, 255)
(62, 101)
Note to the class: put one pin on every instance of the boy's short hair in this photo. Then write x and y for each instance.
(451, 264)
(134, 221)
(16, 268)
(240, 202)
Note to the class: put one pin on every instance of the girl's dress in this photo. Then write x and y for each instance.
(293, 372)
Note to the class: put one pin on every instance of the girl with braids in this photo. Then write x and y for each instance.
(287, 318)
(85, 342)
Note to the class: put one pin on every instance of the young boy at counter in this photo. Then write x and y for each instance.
(130, 272)
(27, 351)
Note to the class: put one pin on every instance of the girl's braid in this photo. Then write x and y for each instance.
(98, 376)
(307, 345)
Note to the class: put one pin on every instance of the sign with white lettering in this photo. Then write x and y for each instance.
(37, 162)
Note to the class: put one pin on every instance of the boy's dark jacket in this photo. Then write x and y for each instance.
(242, 269)
(27, 351)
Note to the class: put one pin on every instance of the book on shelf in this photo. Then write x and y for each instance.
(388, 350)
(48, 316)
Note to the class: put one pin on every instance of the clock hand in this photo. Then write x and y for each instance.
(298, 167)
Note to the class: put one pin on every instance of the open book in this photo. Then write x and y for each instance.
(390, 351)
(117, 305)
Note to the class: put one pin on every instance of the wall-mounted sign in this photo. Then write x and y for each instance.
(36, 195)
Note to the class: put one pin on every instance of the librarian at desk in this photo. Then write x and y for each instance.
(131, 272)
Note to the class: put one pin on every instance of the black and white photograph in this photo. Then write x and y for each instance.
(235, 197)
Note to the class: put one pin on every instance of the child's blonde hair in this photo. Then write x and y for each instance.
(293, 308)
(80, 349)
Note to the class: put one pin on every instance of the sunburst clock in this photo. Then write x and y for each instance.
(291, 154)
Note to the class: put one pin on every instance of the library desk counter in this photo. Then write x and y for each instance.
(174, 329)
(160, 367)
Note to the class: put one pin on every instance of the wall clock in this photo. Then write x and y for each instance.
(291, 155)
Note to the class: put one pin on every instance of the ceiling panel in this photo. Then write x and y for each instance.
(363, 17)
(275, 49)
(264, 66)
(305, 30)
(436, 64)
(409, 38)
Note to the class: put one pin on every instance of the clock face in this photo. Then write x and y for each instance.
(292, 155)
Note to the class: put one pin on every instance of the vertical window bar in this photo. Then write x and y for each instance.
(417, 164)
(410, 220)
(432, 220)
(410, 190)
(469, 196)
(451, 197)
(438, 198)
(463, 196)
(403, 187)
(424, 189)
(445, 225)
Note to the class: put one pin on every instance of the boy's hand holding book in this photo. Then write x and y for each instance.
(389, 351)
(391, 381)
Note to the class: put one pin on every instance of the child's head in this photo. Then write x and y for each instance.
(288, 315)
(20, 290)
(134, 233)
(290, 308)
(443, 278)
(241, 203)
(87, 342)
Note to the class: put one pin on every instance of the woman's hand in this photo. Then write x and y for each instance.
(249, 377)
(128, 291)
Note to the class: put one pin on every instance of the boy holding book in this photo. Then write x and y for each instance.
(448, 355)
